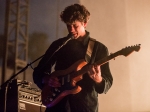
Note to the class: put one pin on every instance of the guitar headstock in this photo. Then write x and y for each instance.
(128, 50)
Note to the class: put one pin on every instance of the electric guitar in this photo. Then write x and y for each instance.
(70, 76)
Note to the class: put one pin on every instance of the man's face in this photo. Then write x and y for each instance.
(77, 29)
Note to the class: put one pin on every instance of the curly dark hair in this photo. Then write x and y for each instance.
(75, 12)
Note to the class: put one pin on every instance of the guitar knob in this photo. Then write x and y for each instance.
(51, 99)
(54, 94)
(56, 89)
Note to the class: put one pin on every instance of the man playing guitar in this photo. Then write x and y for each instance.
(77, 80)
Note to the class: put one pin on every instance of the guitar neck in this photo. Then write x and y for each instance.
(125, 52)
(108, 58)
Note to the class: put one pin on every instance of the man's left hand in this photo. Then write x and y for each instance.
(95, 73)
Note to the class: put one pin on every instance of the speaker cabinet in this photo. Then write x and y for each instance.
(19, 97)
(30, 107)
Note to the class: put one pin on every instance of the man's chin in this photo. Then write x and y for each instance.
(75, 37)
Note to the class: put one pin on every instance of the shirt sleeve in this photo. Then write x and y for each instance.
(107, 78)
(45, 65)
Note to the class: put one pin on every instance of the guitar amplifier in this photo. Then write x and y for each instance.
(20, 97)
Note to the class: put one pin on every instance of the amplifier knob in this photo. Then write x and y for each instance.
(30, 97)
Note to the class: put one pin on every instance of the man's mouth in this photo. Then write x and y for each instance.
(75, 35)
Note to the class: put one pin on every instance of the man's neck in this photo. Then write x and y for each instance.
(81, 38)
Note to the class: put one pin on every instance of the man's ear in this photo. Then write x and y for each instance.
(85, 24)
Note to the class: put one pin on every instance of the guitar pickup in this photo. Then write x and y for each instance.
(62, 81)
(68, 78)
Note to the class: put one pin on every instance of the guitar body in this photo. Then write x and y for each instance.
(68, 79)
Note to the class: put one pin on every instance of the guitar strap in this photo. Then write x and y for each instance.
(91, 51)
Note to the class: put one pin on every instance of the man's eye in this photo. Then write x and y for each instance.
(76, 26)
(68, 26)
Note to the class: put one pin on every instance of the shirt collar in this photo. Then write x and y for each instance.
(86, 38)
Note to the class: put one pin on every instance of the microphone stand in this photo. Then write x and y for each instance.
(6, 84)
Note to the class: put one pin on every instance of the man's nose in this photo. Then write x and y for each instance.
(72, 29)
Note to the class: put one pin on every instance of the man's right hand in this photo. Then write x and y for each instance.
(51, 81)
